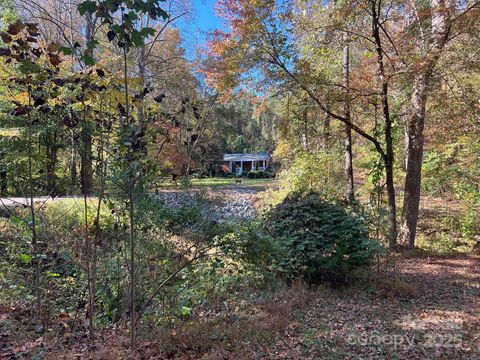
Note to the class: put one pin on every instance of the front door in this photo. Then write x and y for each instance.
(238, 168)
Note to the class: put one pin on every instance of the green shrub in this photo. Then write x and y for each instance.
(250, 243)
(470, 225)
(319, 239)
(259, 174)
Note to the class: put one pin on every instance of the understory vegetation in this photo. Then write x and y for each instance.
(125, 234)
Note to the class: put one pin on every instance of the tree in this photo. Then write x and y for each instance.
(436, 29)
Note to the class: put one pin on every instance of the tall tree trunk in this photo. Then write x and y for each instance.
(73, 160)
(406, 142)
(326, 133)
(349, 190)
(51, 153)
(86, 168)
(440, 14)
(389, 155)
(3, 177)
(142, 68)
(33, 223)
(305, 127)
(413, 177)
(142, 74)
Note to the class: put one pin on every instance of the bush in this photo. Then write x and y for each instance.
(252, 175)
(248, 243)
(319, 239)
(259, 174)
(470, 226)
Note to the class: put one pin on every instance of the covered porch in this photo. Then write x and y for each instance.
(244, 163)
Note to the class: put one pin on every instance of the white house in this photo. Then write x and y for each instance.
(240, 163)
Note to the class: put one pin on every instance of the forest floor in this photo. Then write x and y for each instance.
(430, 308)
(426, 308)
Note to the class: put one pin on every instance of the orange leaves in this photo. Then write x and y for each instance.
(246, 46)
(222, 66)
(218, 43)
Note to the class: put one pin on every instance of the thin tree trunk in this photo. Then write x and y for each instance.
(73, 161)
(3, 182)
(142, 70)
(91, 332)
(326, 133)
(132, 267)
(142, 76)
(86, 169)
(305, 128)
(389, 155)
(349, 190)
(33, 223)
(406, 142)
(131, 198)
(51, 152)
(93, 270)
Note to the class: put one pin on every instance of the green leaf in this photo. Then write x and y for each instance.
(92, 44)
(137, 38)
(66, 50)
(17, 221)
(25, 258)
(117, 28)
(185, 310)
(88, 60)
(132, 15)
(52, 274)
(27, 233)
(163, 14)
(146, 32)
(87, 6)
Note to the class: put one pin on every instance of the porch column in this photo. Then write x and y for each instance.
(230, 166)
(253, 166)
(241, 167)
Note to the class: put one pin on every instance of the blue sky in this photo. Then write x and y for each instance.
(196, 25)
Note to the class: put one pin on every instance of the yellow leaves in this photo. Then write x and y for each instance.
(10, 132)
(283, 149)
(53, 47)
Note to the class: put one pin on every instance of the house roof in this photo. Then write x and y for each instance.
(246, 157)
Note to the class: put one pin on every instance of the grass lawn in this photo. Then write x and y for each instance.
(220, 181)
